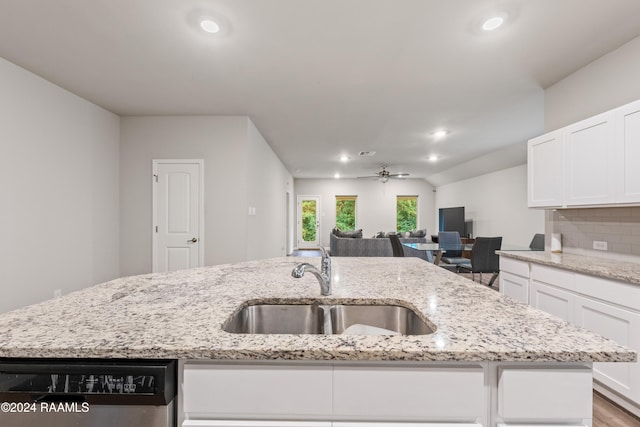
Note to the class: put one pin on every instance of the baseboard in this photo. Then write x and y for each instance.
(625, 404)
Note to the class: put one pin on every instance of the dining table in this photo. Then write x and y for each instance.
(437, 249)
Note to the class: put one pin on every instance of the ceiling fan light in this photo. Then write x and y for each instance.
(383, 179)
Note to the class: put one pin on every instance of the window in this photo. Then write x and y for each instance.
(406, 213)
(346, 212)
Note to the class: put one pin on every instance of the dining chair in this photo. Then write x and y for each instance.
(483, 258)
(396, 245)
(451, 246)
(537, 243)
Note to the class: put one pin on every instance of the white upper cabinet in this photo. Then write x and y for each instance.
(627, 120)
(589, 163)
(544, 170)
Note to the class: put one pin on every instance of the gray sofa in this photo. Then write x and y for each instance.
(372, 247)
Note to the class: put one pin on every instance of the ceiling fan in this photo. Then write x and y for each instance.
(384, 175)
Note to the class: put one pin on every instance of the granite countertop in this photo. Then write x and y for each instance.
(625, 271)
(179, 315)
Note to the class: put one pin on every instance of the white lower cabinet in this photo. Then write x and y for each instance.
(254, 423)
(540, 425)
(377, 424)
(408, 393)
(554, 301)
(622, 326)
(227, 390)
(544, 394)
(514, 279)
(607, 307)
(514, 286)
(383, 394)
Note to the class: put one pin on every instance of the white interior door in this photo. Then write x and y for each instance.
(308, 230)
(178, 213)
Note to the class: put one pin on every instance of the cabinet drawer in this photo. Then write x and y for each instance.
(544, 394)
(254, 423)
(624, 294)
(408, 394)
(241, 391)
(363, 424)
(538, 425)
(553, 276)
(519, 268)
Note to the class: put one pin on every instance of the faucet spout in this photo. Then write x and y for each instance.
(323, 275)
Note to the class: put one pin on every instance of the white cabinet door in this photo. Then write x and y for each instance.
(627, 151)
(544, 394)
(544, 170)
(454, 393)
(552, 300)
(516, 287)
(589, 161)
(243, 391)
(621, 326)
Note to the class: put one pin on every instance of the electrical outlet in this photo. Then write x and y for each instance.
(600, 245)
(57, 293)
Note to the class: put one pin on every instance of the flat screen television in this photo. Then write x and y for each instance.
(452, 219)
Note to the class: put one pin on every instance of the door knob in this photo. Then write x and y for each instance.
(194, 240)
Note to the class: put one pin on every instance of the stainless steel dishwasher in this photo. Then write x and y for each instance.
(87, 393)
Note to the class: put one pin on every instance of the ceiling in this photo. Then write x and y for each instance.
(325, 78)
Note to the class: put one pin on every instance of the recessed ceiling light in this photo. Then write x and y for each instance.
(493, 23)
(433, 158)
(440, 134)
(337, 175)
(209, 25)
(344, 158)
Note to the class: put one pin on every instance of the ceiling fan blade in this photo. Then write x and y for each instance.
(398, 175)
(368, 176)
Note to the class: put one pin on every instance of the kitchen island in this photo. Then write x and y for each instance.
(599, 294)
(490, 360)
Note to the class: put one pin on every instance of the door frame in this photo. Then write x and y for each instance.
(154, 207)
(299, 200)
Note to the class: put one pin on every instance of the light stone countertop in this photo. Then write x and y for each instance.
(625, 271)
(180, 315)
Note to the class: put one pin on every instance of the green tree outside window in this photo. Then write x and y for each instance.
(406, 213)
(346, 212)
(309, 220)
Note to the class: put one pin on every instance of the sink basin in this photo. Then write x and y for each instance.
(326, 319)
(277, 319)
(391, 317)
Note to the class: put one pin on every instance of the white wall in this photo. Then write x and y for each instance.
(497, 204)
(375, 206)
(239, 168)
(59, 190)
(606, 83)
(268, 186)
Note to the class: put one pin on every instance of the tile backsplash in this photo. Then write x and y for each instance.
(619, 227)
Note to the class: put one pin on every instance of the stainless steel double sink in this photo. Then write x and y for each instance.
(365, 319)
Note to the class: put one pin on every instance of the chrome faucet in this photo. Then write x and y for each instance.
(323, 275)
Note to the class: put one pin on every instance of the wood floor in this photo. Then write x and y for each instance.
(608, 414)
